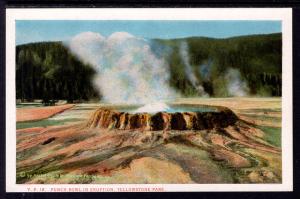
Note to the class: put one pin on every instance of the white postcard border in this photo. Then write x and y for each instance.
(282, 14)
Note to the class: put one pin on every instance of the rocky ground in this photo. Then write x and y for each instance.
(62, 149)
(32, 114)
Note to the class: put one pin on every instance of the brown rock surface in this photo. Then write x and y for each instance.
(112, 119)
(39, 113)
(117, 147)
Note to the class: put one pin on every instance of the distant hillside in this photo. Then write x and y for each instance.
(256, 57)
(48, 70)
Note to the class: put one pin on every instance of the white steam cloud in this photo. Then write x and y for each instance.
(235, 85)
(205, 69)
(127, 70)
(184, 54)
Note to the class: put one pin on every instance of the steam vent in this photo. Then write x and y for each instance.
(185, 119)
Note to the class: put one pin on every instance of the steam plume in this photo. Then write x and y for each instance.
(127, 69)
(205, 69)
(183, 50)
(235, 85)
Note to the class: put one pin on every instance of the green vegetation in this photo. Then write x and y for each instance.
(49, 71)
(272, 135)
(263, 117)
(43, 123)
(256, 57)
(203, 158)
(29, 105)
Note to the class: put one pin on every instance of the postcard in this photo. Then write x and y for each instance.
(149, 99)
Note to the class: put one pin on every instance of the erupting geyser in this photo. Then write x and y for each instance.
(164, 117)
(129, 70)
(153, 108)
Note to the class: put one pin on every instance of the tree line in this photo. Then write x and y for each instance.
(49, 71)
(258, 58)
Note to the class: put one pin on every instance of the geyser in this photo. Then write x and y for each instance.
(184, 53)
(153, 108)
(174, 117)
(128, 70)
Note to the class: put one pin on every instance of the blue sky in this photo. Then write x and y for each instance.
(57, 30)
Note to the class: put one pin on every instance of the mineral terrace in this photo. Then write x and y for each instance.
(113, 146)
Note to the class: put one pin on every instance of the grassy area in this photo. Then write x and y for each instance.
(29, 105)
(272, 135)
(44, 123)
(190, 158)
(276, 110)
(263, 117)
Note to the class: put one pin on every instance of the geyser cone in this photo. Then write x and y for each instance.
(113, 119)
